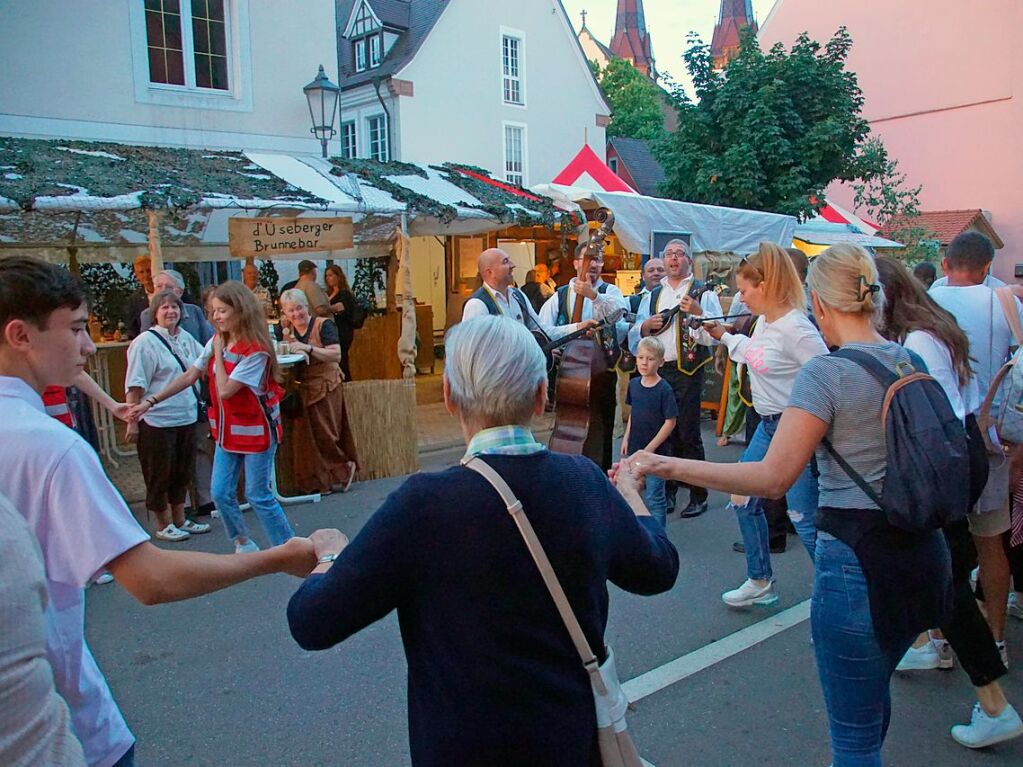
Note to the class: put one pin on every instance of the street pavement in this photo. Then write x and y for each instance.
(219, 681)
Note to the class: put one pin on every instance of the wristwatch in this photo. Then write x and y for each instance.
(328, 558)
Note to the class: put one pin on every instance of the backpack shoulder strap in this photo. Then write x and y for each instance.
(854, 475)
(1005, 298)
(870, 363)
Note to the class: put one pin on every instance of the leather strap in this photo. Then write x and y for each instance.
(543, 564)
(1005, 298)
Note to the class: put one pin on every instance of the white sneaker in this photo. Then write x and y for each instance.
(195, 528)
(920, 659)
(1014, 607)
(749, 594)
(104, 579)
(984, 730)
(172, 534)
(245, 548)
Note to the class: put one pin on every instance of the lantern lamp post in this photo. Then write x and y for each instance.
(322, 96)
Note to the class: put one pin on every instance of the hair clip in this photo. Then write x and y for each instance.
(864, 289)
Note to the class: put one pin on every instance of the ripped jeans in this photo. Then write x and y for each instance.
(802, 507)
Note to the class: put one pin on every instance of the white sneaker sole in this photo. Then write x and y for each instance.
(1001, 738)
(764, 601)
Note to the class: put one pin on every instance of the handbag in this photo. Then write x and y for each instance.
(1009, 423)
(200, 404)
(613, 739)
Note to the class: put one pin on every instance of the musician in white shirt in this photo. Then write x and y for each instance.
(498, 294)
(685, 355)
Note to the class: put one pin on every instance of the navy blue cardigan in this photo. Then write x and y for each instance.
(493, 677)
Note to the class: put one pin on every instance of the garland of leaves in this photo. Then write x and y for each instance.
(370, 276)
(109, 293)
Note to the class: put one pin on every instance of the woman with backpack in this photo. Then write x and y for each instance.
(781, 342)
(913, 319)
(876, 587)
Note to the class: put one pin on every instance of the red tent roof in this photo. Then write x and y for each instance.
(588, 162)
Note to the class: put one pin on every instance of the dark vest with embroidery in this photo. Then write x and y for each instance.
(563, 318)
(691, 355)
(482, 294)
(635, 301)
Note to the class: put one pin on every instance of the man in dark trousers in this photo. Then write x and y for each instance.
(684, 357)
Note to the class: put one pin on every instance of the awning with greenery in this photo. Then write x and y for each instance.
(96, 196)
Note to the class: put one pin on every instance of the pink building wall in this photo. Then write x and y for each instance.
(938, 77)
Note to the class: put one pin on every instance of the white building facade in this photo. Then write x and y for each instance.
(501, 86)
(216, 74)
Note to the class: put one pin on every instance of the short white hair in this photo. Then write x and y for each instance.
(295, 296)
(174, 274)
(494, 368)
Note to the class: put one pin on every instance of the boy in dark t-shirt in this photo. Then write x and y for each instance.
(652, 419)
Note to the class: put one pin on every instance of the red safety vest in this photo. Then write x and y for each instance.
(242, 423)
(55, 402)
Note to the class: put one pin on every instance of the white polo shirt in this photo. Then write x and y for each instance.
(55, 480)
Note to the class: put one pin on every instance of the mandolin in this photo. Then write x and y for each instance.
(549, 347)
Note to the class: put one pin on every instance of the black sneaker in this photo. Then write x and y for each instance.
(774, 547)
(694, 509)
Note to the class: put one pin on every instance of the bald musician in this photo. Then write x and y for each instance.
(498, 294)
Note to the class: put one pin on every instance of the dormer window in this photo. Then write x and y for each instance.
(360, 55)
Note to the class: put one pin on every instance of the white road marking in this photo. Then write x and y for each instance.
(657, 679)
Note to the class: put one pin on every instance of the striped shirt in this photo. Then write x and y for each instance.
(849, 400)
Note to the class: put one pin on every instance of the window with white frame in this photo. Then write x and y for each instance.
(187, 43)
(376, 128)
(374, 51)
(349, 144)
(360, 55)
(511, 67)
(515, 154)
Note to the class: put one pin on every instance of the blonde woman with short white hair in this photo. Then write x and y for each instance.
(874, 590)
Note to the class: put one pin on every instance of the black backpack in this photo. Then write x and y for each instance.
(925, 485)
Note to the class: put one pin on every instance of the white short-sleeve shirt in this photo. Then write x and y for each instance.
(55, 480)
(151, 367)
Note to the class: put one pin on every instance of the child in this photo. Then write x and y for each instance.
(652, 419)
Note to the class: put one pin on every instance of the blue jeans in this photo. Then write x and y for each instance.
(224, 488)
(854, 671)
(655, 499)
(802, 505)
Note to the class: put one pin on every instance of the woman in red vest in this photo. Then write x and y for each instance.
(244, 413)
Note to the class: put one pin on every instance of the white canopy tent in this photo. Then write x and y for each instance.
(713, 228)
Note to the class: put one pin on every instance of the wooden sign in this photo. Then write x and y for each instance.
(269, 237)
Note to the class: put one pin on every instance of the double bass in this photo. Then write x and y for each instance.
(582, 361)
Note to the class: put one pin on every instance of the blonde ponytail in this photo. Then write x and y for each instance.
(845, 279)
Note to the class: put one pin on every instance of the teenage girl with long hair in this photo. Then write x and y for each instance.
(782, 341)
(913, 319)
(245, 418)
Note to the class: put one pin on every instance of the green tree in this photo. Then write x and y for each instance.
(772, 131)
(634, 99)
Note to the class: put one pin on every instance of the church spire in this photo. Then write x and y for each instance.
(733, 17)
(631, 40)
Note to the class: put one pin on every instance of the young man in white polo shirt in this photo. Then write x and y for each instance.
(56, 482)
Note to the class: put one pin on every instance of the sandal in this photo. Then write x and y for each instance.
(195, 528)
(172, 534)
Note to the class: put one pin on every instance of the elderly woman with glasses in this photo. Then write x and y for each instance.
(494, 677)
(325, 449)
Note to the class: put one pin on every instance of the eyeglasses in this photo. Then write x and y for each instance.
(746, 262)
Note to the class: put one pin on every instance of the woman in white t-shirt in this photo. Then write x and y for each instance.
(166, 434)
(912, 318)
(782, 341)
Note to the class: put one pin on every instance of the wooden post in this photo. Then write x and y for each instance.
(155, 251)
(392, 282)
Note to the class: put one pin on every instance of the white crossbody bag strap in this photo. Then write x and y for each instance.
(543, 564)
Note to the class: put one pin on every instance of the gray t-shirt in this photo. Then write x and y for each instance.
(35, 726)
(848, 398)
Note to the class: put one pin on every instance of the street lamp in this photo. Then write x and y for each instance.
(322, 96)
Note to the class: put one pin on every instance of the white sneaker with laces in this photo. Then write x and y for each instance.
(1014, 607)
(195, 528)
(920, 659)
(984, 730)
(749, 594)
(172, 534)
(245, 548)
